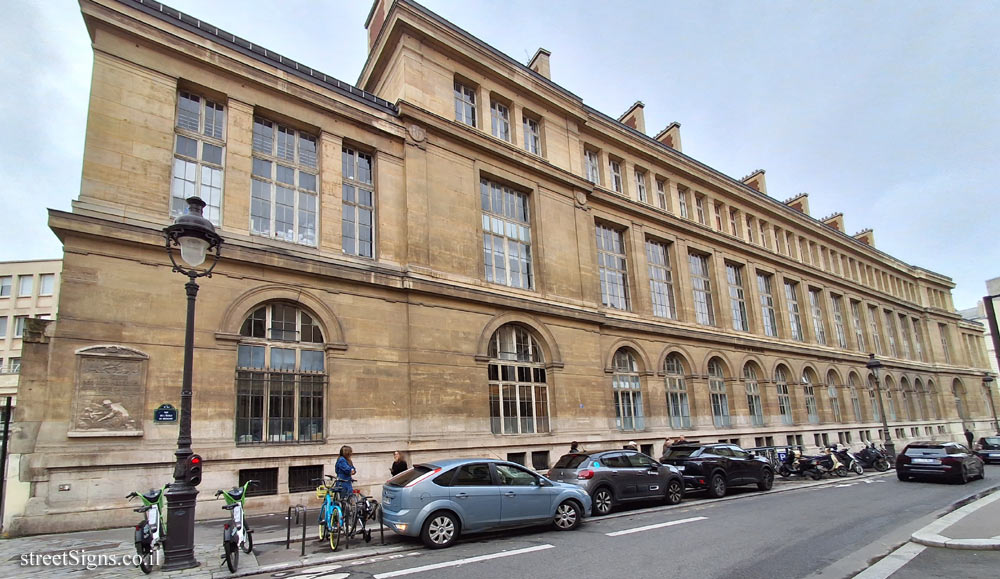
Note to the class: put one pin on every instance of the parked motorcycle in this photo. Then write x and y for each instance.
(827, 463)
(848, 459)
(795, 464)
(871, 457)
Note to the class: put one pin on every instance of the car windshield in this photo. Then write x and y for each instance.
(406, 477)
(570, 460)
(682, 451)
(993, 440)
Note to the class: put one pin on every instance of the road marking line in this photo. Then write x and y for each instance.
(656, 526)
(892, 562)
(461, 562)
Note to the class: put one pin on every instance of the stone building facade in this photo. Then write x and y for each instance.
(455, 257)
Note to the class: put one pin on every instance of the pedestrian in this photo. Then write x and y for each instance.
(345, 471)
(632, 445)
(667, 443)
(398, 463)
(575, 447)
(969, 437)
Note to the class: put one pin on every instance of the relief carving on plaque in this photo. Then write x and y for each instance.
(110, 391)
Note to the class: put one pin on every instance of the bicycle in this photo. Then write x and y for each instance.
(361, 509)
(331, 514)
(236, 534)
(150, 532)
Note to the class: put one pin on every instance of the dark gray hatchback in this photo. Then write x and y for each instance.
(612, 477)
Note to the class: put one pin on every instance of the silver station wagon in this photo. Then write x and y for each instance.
(440, 500)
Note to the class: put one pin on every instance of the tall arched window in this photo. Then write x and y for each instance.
(280, 376)
(627, 392)
(717, 388)
(833, 395)
(677, 397)
(933, 405)
(784, 398)
(907, 394)
(855, 401)
(753, 395)
(958, 389)
(809, 393)
(519, 397)
(873, 398)
(890, 404)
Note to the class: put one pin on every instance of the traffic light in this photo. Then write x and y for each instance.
(192, 470)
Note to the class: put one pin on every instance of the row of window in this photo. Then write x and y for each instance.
(12, 365)
(26, 285)
(284, 186)
(17, 326)
(501, 127)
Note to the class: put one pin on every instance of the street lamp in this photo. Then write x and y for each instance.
(874, 365)
(988, 384)
(196, 237)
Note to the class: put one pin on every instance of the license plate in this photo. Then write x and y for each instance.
(995, 455)
(925, 461)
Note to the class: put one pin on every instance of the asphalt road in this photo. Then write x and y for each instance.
(828, 531)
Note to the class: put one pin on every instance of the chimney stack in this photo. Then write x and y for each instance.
(634, 118)
(540, 63)
(671, 136)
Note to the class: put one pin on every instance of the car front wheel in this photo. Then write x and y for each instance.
(568, 515)
(440, 530)
(602, 502)
(675, 492)
(766, 480)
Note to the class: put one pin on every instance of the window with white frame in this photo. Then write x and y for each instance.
(752, 387)
(612, 267)
(719, 394)
(593, 168)
(519, 395)
(734, 223)
(833, 396)
(763, 235)
(3, 329)
(855, 401)
(198, 155)
(661, 194)
(838, 320)
(904, 334)
(737, 298)
(506, 235)
(859, 327)
(14, 365)
(19, 326)
(615, 170)
(500, 120)
(767, 316)
(627, 391)
(283, 188)
(794, 319)
(816, 307)
(873, 328)
(678, 406)
(357, 203)
(465, 104)
(280, 377)
(784, 398)
(699, 209)
(809, 392)
(661, 286)
(701, 287)
(46, 284)
(717, 209)
(682, 201)
(640, 186)
(5, 285)
(750, 228)
(918, 340)
(25, 284)
(532, 135)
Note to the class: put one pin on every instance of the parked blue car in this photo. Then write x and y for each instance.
(438, 501)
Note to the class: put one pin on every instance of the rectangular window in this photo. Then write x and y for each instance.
(859, 328)
(737, 301)
(945, 342)
(283, 187)
(812, 411)
(734, 223)
(873, 329)
(890, 333)
(300, 478)
(46, 283)
(506, 235)
(615, 170)
(500, 120)
(14, 365)
(3, 330)
(19, 326)
(904, 334)
(699, 209)
(750, 228)
(661, 194)
(838, 320)
(465, 104)
(682, 201)
(198, 155)
(767, 304)
(701, 286)
(279, 399)
(660, 279)
(267, 481)
(593, 170)
(763, 235)
(718, 216)
(612, 267)
(794, 318)
(784, 403)
(918, 340)
(5, 283)
(25, 283)
(640, 186)
(358, 204)
(816, 307)
(532, 136)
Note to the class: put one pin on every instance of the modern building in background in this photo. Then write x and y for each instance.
(28, 289)
(978, 314)
(456, 257)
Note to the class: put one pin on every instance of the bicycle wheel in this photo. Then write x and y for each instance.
(248, 544)
(351, 515)
(146, 559)
(336, 524)
(232, 554)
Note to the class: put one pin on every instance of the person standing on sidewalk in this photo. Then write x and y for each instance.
(969, 436)
(398, 463)
(345, 470)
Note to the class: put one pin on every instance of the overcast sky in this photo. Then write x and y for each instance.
(886, 111)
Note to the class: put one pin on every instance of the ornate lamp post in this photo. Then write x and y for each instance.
(874, 365)
(195, 236)
(988, 384)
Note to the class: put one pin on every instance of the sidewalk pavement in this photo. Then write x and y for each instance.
(974, 526)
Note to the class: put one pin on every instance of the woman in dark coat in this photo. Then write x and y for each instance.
(398, 463)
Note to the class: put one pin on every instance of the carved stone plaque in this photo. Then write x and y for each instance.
(110, 392)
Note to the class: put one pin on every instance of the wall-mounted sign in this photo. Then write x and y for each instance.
(165, 413)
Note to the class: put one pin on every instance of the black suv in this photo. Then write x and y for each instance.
(988, 448)
(716, 467)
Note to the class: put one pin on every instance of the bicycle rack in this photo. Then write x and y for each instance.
(297, 509)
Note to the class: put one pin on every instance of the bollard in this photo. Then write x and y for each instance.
(288, 519)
